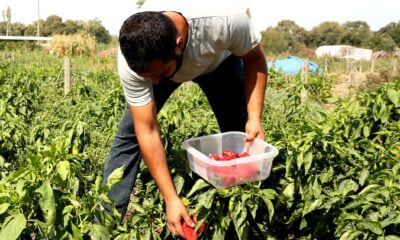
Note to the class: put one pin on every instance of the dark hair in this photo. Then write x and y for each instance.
(146, 36)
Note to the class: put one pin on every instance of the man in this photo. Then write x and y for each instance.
(215, 48)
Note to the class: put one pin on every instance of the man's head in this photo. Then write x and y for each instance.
(148, 36)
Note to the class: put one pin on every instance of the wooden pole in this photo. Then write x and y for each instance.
(38, 18)
(305, 80)
(394, 63)
(305, 71)
(67, 75)
(373, 65)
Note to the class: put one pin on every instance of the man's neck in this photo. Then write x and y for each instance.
(180, 23)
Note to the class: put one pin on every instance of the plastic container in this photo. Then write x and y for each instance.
(223, 174)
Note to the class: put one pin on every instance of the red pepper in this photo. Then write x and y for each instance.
(227, 153)
(226, 174)
(230, 174)
(214, 156)
(248, 171)
(244, 154)
(188, 231)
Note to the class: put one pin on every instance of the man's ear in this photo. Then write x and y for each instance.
(180, 45)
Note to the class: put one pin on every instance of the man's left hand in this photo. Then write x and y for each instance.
(254, 130)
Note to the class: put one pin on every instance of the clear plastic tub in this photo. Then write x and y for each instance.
(223, 174)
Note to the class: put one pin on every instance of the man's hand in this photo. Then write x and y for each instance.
(148, 135)
(254, 130)
(176, 211)
(255, 75)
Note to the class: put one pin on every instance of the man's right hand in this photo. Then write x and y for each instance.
(176, 212)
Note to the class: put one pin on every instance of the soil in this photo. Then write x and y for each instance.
(348, 85)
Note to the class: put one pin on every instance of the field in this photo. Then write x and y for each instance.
(336, 177)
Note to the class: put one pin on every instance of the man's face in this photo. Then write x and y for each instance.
(159, 69)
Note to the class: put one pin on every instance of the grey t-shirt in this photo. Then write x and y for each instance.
(213, 35)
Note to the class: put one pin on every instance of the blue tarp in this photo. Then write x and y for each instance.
(292, 65)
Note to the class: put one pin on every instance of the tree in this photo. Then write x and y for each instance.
(139, 3)
(392, 30)
(7, 19)
(356, 33)
(31, 29)
(52, 25)
(382, 42)
(94, 28)
(273, 41)
(18, 29)
(295, 35)
(326, 33)
(72, 26)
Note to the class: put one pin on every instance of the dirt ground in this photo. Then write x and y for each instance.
(349, 84)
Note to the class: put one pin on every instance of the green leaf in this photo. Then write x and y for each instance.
(179, 181)
(394, 97)
(308, 158)
(350, 234)
(309, 207)
(384, 113)
(267, 195)
(97, 184)
(76, 233)
(296, 214)
(242, 226)
(218, 233)
(371, 226)
(47, 203)
(199, 185)
(393, 218)
(366, 130)
(288, 192)
(368, 188)
(63, 169)
(115, 177)
(13, 227)
(356, 203)
(303, 224)
(392, 237)
(362, 177)
(4, 207)
(207, 198)
(326, 175)
(300, 160)
(347, 186)
(20, 188)
(99, 232)
(289, 166)
(232, 203)
(2, 161)
(138, 208)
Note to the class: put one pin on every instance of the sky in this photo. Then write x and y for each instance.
(265, 13)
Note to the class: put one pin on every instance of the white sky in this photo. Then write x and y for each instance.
(265, 13)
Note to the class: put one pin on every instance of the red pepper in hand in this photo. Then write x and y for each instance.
(188, 231)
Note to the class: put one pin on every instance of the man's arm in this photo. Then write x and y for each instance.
(149, 139)
(255, 77)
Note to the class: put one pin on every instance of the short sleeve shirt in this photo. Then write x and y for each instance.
(213, 35)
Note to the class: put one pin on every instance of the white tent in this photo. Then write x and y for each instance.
(344, 51)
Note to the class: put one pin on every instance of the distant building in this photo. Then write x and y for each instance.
(344, 51)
